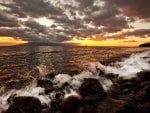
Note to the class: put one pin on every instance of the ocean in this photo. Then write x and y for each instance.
(28, 62)
(21, 67)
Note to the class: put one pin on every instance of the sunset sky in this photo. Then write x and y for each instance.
(80, 22)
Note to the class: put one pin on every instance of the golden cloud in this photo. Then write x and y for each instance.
(11, 41)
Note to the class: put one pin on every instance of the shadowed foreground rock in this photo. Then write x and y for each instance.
(47, 84)
(125, 96)
(70, 105)
(92, 87)
(25, 105)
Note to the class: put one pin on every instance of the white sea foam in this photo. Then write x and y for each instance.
(31, 90)
(132, 65)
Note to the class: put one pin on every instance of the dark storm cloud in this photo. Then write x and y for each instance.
(139, 33)
(37, 8)
(138, 8)
(70, 18)
(109, 17)
(86, 3)
(65, 21)
(33, 8)
(36, 26)
(18, 32)
(7, 20)
(15, 10)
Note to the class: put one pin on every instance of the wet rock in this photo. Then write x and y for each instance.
(131, 80)
(127, 96)
(51, 75)
(91, 87)
(25, 105)
(143, 76)
(112, 76)
(143, 95)
(88, 109)
(91, 99)
(114, 90)
(127, 85)
(144, 108)
(143, 84)
(55, 103)
(70, 105)
(129, 108)
(109, 105)
(47, 84)
(11, 98)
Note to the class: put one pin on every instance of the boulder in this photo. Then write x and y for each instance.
(88, 109)
(55, 103)
(47, 84)
(109, 105)
(143, 95)
(91, 87)
(91, 99)
(51, 75)
(114, 90)
(70, 105)
(143, 76)
(25, 104)
(129, 108)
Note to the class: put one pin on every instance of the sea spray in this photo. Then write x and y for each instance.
(127, 68)
(31, 90)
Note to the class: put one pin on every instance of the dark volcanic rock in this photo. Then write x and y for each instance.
(111, 76)
(114, 90)
(109, 105)
(70, 105)
(51, 75)
(88, 109)
(25, 105)
(144, 108)
(91, 99)
(92, 87)
(143, 76)
(129, 108)
(47, 84)
(143, 95)
(55, 103)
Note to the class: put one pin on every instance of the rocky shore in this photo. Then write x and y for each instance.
(124, 88)
(124, 96)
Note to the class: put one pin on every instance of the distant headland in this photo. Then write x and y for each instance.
(145, 45)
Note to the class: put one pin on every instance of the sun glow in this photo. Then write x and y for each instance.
(128, 42)
(11, 41)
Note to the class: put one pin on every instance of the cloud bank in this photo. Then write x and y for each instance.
(69, 18)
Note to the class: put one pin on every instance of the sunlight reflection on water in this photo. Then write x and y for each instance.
(21, 62)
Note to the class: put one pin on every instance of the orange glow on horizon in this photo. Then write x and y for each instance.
(11, 41)
(126, 42)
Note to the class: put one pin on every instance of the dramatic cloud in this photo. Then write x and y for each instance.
(6, 20)
(60, 20)
(137, 8)
(36, 26)
(142, 33)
